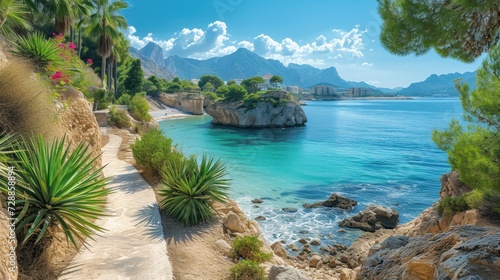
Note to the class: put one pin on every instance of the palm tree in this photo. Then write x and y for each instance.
(62, 11)
(13, 15)
(104, 27)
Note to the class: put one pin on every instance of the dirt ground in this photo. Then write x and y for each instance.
(191, 250)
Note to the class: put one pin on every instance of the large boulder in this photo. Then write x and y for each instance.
(285, 273)
(464, 252)
(452, 186)
(334, 200)
(274, 109)
(233, 223)
(372, 218)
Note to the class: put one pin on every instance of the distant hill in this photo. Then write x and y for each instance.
(239, 65)
(439, 84)
(244, 63)
(149, 65)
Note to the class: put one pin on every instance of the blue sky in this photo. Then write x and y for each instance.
(322, 33)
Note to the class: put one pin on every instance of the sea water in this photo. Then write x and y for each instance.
(373, 151)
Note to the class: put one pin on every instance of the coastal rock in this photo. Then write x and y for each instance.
(347, 274)
(289, 209)
(452, 186)
(274, 109)
(315, 260)
(189, 102)
(334, 200)
(315, 242)
(260, 218)
(279, 250)
(460, 253)
(223, 248)
(285, 273)
(233, 223)
(372, 218)
(257, 200)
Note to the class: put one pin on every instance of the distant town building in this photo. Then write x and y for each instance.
(237, 81)
(323, 90)
(358, 92)
(292, 89)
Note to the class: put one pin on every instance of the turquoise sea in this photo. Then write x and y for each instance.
(377, 152)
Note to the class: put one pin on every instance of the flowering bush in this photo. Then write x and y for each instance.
(72, 70)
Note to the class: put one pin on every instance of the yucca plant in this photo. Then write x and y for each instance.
(38, 49)
(56, 186)
(190, 189)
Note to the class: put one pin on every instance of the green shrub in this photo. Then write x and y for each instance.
(210, 95)
(249, 247)
(449, 206)
(139, 109)
(247, 270)
(124, 99)
(251, 100)
(191, 188)
(38, 49)
(119, 117)
(55, 185)
(154, 150)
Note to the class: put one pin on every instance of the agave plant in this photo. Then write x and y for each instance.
(190, 189)
(56, 186)
(38, 49)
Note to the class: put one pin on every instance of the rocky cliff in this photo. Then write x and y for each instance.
(273, 109)
(432, 246)
(186, 102)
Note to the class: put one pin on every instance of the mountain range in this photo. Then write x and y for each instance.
(243, 63)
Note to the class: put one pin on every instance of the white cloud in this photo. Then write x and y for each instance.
(264, 45)
(339, 45)
(246, 45)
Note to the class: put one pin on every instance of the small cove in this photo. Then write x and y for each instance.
(377, 152)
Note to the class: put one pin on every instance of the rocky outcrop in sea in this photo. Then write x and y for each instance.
(273, 109)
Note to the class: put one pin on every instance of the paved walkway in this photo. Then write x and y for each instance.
(133, 247)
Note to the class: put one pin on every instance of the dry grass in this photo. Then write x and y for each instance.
(26, 107)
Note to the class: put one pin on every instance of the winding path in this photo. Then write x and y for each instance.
(133, 247)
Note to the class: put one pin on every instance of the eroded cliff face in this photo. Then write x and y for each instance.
(432, 246)
(79, 123)
(189, 103)
(277, 110)
(465, 252)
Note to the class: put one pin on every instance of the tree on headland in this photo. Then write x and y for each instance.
(462, 30)
(235, 93)
(252, 84)
(275, 80)
(212, 79)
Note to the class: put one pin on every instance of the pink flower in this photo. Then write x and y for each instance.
(56, 76)
(61, 45)
(72, 46)
(89, 61)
